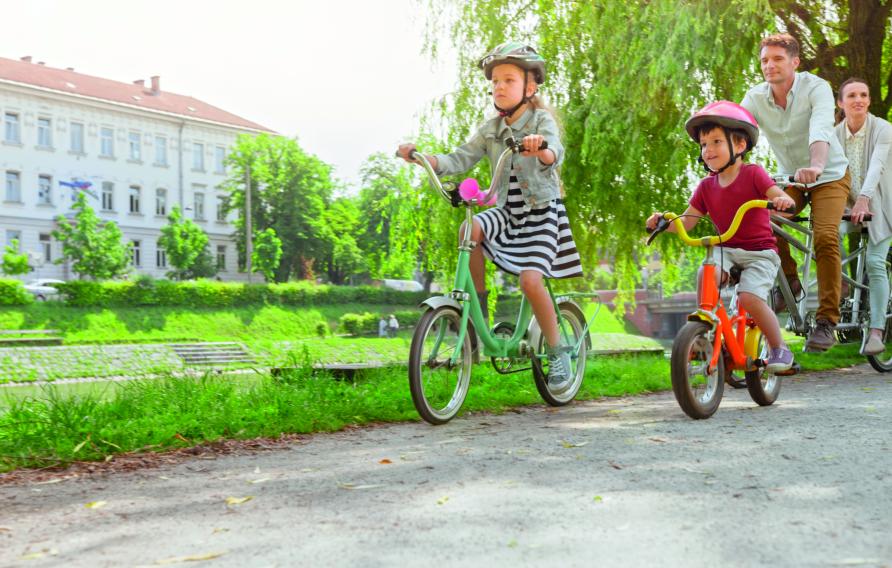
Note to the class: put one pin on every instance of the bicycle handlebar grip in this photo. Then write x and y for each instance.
(517, 145)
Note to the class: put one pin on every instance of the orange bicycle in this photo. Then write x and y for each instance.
(712, 338)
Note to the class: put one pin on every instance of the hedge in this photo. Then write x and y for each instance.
(214, 294)
(13, 293)
(367, 323)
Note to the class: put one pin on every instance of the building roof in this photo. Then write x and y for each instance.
(149, 97)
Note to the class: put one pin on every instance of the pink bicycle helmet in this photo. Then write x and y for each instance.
(729, 116)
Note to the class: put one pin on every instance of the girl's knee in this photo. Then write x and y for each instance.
(530, 281)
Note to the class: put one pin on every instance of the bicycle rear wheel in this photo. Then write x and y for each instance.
(697, 391)
(882, 362)
(764, 387)
(573, 324)
(439, 385)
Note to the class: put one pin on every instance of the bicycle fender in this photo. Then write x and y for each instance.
(751, 343)
(435, 302)
(704, 316)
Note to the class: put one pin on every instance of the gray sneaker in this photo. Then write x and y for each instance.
(559, 369)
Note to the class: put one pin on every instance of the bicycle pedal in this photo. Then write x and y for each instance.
(794, 370)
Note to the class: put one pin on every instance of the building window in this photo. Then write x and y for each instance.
(45, 190)
(198, 157)
(46, 247)
(13, 187)
(136, 253)
(222, 202)
(221, 257)
(160, 201)
(220, 160)
(108, 196)
(160, 150)
(44, 133)
(135, 146)
(11, 121)
(199, 206)
(134, 198)
(77, 137)
(14, 238)
(160, 256)
(106, 142)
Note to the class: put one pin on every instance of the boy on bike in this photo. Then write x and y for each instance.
(726, 132)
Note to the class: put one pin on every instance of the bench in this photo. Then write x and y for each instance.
(28, 337)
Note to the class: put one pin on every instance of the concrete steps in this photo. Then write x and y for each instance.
(220, 353)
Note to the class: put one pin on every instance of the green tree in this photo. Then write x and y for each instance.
(94, 248)
(267, 253)
(186, 246)
(15, 262)
(343, 257)
(290, 191)
(626, 75)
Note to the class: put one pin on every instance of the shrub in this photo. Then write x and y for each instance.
(13, 293)
(322, 329)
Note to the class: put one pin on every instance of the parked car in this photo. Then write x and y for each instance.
(404, 285)
(42, 288)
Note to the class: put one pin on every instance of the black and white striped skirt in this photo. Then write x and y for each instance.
(517, 237)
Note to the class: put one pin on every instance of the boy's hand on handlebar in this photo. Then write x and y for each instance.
(783, 203)
(405, 150)
(807, 175)
(652, 221)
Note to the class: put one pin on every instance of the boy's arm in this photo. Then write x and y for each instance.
(779, 198)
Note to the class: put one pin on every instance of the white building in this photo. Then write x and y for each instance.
(141, 149)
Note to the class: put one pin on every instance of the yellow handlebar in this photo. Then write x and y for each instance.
(726, 236)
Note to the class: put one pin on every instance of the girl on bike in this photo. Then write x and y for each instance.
(528, 233)
(867, 140)
(725, 132)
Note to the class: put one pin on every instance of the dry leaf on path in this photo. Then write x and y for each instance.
(191, 558)
(442, 500)
(96, 504)
(261, 480)
(385, 461)
(567, 444)
(238, 500)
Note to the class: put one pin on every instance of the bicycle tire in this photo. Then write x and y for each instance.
(693, 343)
(764, 387)
(438, 387)
(575, 323)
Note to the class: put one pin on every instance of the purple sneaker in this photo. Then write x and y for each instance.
(779, 360)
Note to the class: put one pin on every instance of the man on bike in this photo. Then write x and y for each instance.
(795, 113)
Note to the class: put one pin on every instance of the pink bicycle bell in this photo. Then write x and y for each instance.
(469, 190)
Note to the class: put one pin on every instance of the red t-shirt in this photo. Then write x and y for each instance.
(721, 204)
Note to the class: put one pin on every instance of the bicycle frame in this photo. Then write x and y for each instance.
(464, 292)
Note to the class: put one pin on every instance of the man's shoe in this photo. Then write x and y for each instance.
(777, 297)
(779, 360)
(559, 369)
(873, 346)
(821, 338)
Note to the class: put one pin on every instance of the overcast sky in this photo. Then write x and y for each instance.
(344, 76)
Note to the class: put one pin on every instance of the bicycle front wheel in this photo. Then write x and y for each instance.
(764, 387)
(882, 362)
(438, 384)
(698, 391)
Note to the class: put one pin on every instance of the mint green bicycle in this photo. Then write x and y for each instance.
(445, 344)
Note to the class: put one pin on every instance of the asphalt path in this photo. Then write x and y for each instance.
(618, 482)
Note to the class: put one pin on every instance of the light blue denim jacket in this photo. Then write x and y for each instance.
(538, 183)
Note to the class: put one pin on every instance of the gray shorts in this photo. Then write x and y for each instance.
(759, 268)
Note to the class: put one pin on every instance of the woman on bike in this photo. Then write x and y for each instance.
(528, 233)
(725, 132)
(867, 140)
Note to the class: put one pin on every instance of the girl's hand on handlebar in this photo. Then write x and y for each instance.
(532, 145)
(860, 209)
(405, 150)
